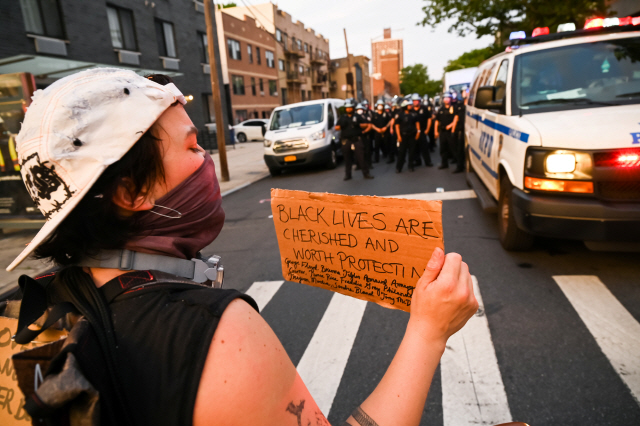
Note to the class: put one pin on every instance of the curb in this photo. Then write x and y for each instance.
(244, 185)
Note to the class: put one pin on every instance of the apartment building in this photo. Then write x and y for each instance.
(302, 56)
(54, 38)
(249, 64)
(388, 60)
(338, 70)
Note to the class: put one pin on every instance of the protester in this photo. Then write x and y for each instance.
(112, 161)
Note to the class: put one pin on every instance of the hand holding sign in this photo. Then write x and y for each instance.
(370, 248)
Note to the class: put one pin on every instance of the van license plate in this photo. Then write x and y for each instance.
(290, 158)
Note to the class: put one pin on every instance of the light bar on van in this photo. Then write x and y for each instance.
(515, 35)
(594, 23)
(540, 31)
(569, 26)
(611, 22)
(554, 185)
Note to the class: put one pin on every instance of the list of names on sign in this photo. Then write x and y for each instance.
(370, 248)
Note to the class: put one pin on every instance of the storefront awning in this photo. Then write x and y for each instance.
(47, 67)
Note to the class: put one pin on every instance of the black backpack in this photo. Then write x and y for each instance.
(79, 376)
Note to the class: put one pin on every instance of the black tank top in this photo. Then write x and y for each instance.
(163, 338)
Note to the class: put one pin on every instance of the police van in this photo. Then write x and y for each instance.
(553, 135)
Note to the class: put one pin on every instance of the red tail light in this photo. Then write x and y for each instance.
(623, 158)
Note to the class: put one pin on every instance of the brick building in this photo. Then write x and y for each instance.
(54, 38)
(388, 60)
(249, 64)
(302, 56)
(338, 70)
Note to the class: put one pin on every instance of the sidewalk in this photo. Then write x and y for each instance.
(246, 166)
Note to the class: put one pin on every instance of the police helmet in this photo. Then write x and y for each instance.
(425, 99)
(348, 103)
(406, 103)
(365, 102)
(359, 106)
(415, 97)
(379, 102)
(446, 95)
(387, 107)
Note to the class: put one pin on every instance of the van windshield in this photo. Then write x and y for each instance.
(297, 116)
(586, 75)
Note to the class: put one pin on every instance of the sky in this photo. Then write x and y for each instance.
(365, 19)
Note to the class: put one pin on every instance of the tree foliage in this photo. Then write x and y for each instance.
(226, 5)
(472, 58)
(499, 17)
(415, 79)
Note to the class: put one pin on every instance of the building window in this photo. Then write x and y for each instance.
(204, 47)
(258, 58)
(280, 64)
(285, 40)
(42, 17)
(302, 95)
(306, 48)
(234, 49)
(270, 59)
(309, 94)
(253, 86)
(238, 84)
(166, 39)
(265, 114)
(300, 70)
(284, 96)
(121, 28)
(209, 114)
(241, 115)
(278, 35)
(273, 88)
(250, 53)
(299, 43)
(308, 71)
(261, 87)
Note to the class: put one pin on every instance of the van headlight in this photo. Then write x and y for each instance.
(267, 143)
(560, 163)
(318, 135)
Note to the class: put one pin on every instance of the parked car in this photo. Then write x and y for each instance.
(302, 134)
(251, 130)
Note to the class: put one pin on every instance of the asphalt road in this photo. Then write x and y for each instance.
(555, 369)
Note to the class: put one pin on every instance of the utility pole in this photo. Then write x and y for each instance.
(217, 87)
(349, 82)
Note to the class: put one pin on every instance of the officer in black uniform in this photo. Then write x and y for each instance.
(368, 136)
(393, 135)
(389, 145)
(446, 121)
(351, 126)
(461, 111)
(428, 104)
(423, 118)
(408, 131)
(380, 121)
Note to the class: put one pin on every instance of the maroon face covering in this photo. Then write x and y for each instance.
(197, 224)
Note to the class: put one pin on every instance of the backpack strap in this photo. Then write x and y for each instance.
(137, 281)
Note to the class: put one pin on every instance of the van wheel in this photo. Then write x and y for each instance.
(275, 172)
(512, 238)
(332, 163)
(242, 137)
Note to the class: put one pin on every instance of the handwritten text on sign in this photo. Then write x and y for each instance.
(370, 248)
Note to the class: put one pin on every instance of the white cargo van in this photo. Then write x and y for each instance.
(459, 80)
(553, 137)
(302, 134)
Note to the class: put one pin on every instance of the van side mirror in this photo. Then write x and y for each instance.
(486, 99)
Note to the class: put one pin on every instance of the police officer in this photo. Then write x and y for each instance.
(380, 121)
(461, 111)
(408, 131)
(428, 104)
(423, 118)
(351, 126)
(368, 137)
(446, 121)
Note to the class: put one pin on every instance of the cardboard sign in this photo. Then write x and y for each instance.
(370, 248)
(11, 397)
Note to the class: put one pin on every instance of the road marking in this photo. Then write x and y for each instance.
(263, 291)
(451, 195)
(615, 330)
(325, 358)
(472, 388)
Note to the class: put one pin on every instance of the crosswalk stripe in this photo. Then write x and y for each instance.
(263, 291)
(615, 330)
(472, 388)
(323, 362)
(450, 195)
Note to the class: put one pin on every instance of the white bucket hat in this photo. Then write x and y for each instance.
(75, 129)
